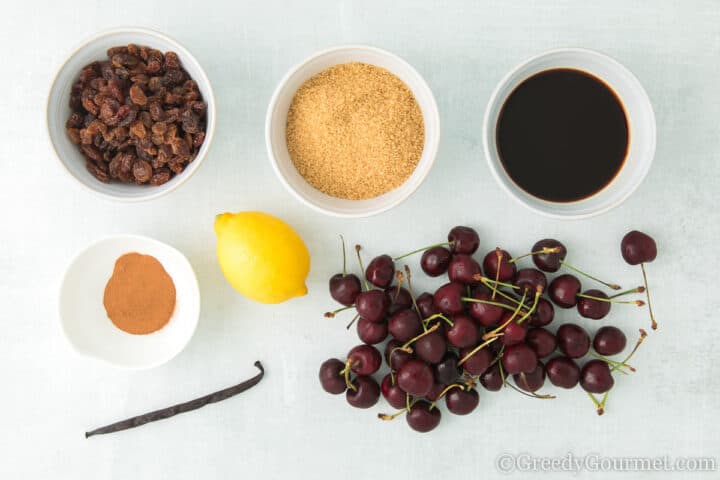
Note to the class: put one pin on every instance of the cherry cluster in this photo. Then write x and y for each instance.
(488, 323)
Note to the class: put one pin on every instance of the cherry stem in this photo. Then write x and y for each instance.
(387, 417)
(414, 339)
(499, 255)
(598, 406)
(410, 291)
(346, 371)
(639, 289)
(502, 294)
(445, 391)
(443, 244)
(538, 294)
(527, 394)
(475, 350)
(335, 312)
(647, 293)
(613, 286)
(544, 250)
(342, 241)
(481, 278)
(487, 302)
(643, 335)
(603, 402)
(494, 333)
(438, 315)
(639, 303)
(617, 366)
(362, 267)
(347, 327)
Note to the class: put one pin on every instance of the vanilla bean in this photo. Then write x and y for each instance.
(168, 412)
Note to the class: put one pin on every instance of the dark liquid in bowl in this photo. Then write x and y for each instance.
(562, 135)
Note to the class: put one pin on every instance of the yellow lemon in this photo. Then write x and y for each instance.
(261, 256)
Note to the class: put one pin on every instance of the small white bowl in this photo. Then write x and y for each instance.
(638, 110)
(58, 110)
(276, 121)
(84, 319)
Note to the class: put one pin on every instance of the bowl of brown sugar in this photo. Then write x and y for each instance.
(352, 131)
(129, 301)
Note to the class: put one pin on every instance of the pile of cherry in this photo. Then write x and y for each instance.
(488, 323)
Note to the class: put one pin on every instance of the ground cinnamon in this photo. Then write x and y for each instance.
(140, 295)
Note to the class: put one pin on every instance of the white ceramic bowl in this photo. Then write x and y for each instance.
(276, 121)
(84, 319)
(638, 110)
(58, 110)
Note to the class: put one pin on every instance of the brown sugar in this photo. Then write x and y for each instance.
(355, 131)
(140, 295)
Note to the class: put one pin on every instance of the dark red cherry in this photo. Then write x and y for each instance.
(381, 271)
(392, 392)
(344, 288)
(491, 265)
(404, 325)
(637, 247)
(463, 268)
(492, 379)
(531, 381)
(435, 261)
(372, 305)
(563, 372)
(446, 371)
(331, 379)
(463, 333)
(485, 314)
(460, 401)
(595, 377)
(592, 308)
(415, 378)
(543, 315)
(542, 341)
(426, 305)
(563, 290)
(478, 362)
(573, 340)
(421, 418)
(549, 262)
(371, 333)
(431, 348)
(519, 358)
(366, 393)
(396, 358)
(448, 298)
(514, 332)
(435, 391)
(364, 360)
(399, 299)
(609, 340)
(465, 240)
(529, 280)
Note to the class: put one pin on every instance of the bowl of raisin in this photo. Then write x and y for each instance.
(131, 114)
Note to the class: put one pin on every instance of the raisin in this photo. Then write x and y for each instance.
(97, 172)
(173, 77)
(190, 122)
(74, 135)
(142, 171)
(198, 139)
(160, 177)
(91, 152)
(74, 121)
(137, 129)
(137, 95)
(171, 61)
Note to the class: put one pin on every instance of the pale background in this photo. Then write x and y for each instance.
(287, 427)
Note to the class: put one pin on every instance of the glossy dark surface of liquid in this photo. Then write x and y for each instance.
(562, 135)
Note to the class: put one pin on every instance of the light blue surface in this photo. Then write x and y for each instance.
(286, 427)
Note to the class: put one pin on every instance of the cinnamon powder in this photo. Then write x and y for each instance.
(140, 295)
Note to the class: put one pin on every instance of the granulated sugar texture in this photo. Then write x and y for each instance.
(355, 131)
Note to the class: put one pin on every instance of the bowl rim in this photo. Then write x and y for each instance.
(103, 360)
(434, 113)
(155, 192)
(494, 167)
